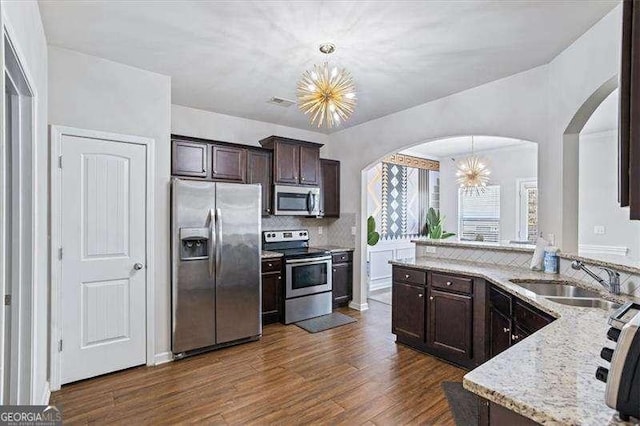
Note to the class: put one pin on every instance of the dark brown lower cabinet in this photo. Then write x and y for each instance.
(491, 414)
(342, 278)
(499, 332)
(457, 318)
(450, 324)
(271, 291)
(407, 319)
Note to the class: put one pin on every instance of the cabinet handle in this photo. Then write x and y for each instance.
(506, 330)
(419, 294)
(302, 178)
(268, 210)
(431, 298)
(448, 282)
(515, 337)
(279, 277)
(334, 269)
(270, 265)
(406, 276)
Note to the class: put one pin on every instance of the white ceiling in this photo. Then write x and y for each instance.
(605, 117)
(231, 57)
(444, 148)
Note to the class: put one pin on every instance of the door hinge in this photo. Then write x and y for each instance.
(60, 161)
(7, 300)
(60, 253)
(60, 345)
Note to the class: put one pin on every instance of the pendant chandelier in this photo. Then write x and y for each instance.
(473, 174)
(327, 95)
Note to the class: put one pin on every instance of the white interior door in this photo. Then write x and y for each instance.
(103, 287)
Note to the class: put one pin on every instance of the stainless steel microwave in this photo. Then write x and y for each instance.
(296, 200)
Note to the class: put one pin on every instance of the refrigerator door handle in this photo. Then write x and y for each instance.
(218, 240)
(212, 242)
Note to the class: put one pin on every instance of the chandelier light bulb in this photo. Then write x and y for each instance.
(472, 174)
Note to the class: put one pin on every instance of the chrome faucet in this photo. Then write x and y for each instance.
(613, 285)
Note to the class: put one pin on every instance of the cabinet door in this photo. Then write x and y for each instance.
(499, 332)
(342, 283)
(271, 290)
(407, 311)
(189, 159)
(259, 171)
(228, 163)
(450, 323)
(286, 163)
(309, 165)
(330, 188)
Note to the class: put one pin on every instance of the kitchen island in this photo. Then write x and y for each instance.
(549, 376)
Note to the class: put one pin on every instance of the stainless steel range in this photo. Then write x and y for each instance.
(307, 274)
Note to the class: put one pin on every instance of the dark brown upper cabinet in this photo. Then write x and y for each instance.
(309, 165)
(629, 110)
(295, 162)
(259, 171)
(228, 163)
(329, 188)
(189, 159)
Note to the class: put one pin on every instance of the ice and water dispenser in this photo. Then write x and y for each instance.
(194, 243)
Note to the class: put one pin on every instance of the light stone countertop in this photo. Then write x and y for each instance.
(549, 376)
(270, 254)
(524, 248)
(334, 249)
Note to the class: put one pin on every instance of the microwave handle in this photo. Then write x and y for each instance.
(311, 202)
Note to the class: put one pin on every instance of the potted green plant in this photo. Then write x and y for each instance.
(435, 225)
(372, 236)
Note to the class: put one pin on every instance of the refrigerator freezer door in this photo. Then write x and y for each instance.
(193, 282)
(238, 281)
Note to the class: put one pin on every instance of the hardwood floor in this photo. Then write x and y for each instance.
(354, 374)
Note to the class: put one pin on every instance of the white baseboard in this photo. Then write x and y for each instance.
(162, 358)
(359, 306)
(46, 394)
(599, 249)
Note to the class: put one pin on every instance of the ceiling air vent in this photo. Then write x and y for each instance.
(286, 103)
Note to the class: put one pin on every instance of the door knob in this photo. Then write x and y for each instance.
(138, 266)
(419, 294)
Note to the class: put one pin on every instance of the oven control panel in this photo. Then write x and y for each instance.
(280, 236)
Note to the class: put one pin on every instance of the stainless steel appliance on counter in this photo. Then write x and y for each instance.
(307, 274)
(623, 376)
(215, 264)
(296, 200)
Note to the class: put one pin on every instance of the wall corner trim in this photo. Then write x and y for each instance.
(358, 306)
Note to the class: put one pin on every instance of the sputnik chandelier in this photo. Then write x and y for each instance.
(327, 95)
(473, 174)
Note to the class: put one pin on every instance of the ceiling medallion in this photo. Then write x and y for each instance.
(326, 94)
(473, 174)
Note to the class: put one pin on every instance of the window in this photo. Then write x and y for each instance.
(479, 215)
(528, 211)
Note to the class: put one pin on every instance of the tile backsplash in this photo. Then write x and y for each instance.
(629, 283)
(335, 231)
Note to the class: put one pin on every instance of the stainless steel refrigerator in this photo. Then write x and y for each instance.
(215, 264)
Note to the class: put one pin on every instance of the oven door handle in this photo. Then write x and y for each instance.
(308, 261)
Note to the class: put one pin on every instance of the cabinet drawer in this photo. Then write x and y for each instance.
(342, 257)
(452, 283)
(409, 276)
(528, 318)
(500, 301)
(271, 265)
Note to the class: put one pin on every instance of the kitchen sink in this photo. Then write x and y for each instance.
(558, 290)
(585, 302)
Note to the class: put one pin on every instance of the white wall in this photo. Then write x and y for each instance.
(193, 122)
(598, 198)
(94, 93)
(536, 105)
(23, 23)
(507, 165)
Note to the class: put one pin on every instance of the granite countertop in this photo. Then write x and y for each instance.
(270, 254)
(525, 248)
(335, 249)
(549, 376)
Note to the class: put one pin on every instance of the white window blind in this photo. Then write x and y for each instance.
(480, 215)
